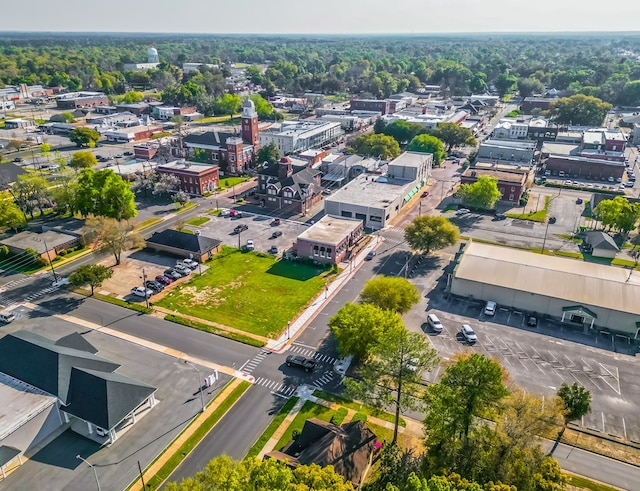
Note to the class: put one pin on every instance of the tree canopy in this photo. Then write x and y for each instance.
(428, 144)
(427, 233)
(382, 146)
(83, 160)
(576, 401)
(84, 137)
(483, 193)
(580, 109)
(453, 135)
(268, 153)
(357, 328)
(104, 193)
(402, 131)
(225, 474)
(113, 236)
(617, 214)
(90, 274)
(390, 293)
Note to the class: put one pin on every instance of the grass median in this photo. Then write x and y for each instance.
(214, 330)
(356, 406)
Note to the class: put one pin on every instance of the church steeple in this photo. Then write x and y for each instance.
(250, 131)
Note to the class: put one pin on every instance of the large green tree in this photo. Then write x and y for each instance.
(528, 86)
(392, 376)
(229, 104)
(382, 146)
(483, 193)
(250, 474)
(90, 274)
(390, 293)
(83, 160)
(453, 135)
(10, 214)
(357, 328)
(428, 144)
(84, 137)
(427, 233)
(403, 131)
(104, 193)
(580, 109)
(268, 153)
(617, 214)
(576, 402)
(31, 192)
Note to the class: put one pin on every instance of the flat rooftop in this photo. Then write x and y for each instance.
(500, 175)
(186, 166)
(578, 282)
(330, 229)
(20, 403)
(372, 190)
(411, 159)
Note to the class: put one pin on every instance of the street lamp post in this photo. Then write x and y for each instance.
(545, 237)
(199, 381)
(288, 330)
(94, 470)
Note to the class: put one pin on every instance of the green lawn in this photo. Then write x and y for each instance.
(584, 483)
(309, 410)
(328, 396)
(273, 426)
(229, 182)
(249, 291)
(197, 221)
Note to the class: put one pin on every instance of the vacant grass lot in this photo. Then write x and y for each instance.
(248, 291)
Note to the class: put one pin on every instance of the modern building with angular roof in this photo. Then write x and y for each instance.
(182, 244)
(52, 383)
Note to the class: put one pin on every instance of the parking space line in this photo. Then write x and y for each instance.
(615, 377)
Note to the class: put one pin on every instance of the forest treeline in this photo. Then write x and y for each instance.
(604, 66)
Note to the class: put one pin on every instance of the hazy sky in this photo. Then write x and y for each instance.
(319, 16)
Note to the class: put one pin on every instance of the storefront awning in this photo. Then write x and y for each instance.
(579, 310)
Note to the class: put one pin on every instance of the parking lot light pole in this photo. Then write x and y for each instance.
(199, 381)
(94, 470)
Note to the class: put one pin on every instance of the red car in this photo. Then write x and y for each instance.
(163, 279)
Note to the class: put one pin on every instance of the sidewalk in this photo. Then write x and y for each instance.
(175, 445)
(298, 325)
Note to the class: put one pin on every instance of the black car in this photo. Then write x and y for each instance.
(300, 361)
(532, 321)
(276, 234)
(552, 220)
(241, 228)
(500, 216)
(18, 159)
(273, 250)
(128, 154)
(370, 256)
(156, 286)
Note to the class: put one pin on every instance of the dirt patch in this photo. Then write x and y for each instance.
(128, 274)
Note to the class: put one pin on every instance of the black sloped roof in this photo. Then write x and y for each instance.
(38, 361)
(103, 398)
(214, 138)
(182, 240)
(9, 173)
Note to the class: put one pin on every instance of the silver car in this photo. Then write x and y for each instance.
(468, 334)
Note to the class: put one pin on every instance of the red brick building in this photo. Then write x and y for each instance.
(232, 152)
(288, 187)
(195, 179)
(330, 240)
(376, 105)
(510, 184)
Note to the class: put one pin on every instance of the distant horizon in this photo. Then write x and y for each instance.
(330, 17)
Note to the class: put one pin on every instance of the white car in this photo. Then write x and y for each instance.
(468, 334)
(250, 245)
(490, 308)
(7, 317)
(182, 269)
(190, 263)
(140, 291)
(463, 211)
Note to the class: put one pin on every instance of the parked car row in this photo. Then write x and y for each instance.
(151, 287)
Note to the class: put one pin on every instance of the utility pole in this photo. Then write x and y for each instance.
(55, 276)
(144, 286)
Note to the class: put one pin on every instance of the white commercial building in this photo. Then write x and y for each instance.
(298, 136)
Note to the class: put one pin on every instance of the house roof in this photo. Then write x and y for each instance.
(104, 398)
(182, 240)
(83, 382)
(601, 240)
(31, 240)
(9, 173)
(299, 181)
(347, 448)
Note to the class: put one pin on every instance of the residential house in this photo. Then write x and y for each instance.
(47, 244)
(601, 244)
(288, 187)
(348, 448)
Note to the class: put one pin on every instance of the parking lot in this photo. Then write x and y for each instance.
(540, 359)
(260, 230)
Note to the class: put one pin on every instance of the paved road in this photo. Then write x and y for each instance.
(236, 432)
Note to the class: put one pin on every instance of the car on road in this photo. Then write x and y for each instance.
(276, 221)
(165, 280)
(7, 317)
(463, 211)
(578, 201)
(424, 194)
(156, 286)
(276, 234)
(119, 155)
(140, 291)
(273, 250)
(500, 216)
(300, 361)
(552, 220)
(241, 228)
(370, 255)
(468, 334)
(490, 308)
(172, 273)
(235, 213)
(128, 154)
(250, 245)
(434, 323)
(18, 159)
